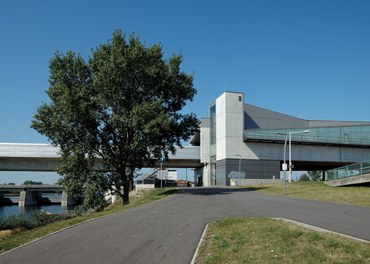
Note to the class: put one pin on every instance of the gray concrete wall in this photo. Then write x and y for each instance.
(250, 169)
(205, 146)
(67, 199)
(27, 198)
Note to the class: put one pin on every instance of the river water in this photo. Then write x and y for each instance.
(17, 210)
(8, 210)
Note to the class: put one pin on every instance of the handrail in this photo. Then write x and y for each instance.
(355, 169)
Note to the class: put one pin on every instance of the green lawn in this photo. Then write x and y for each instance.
(260, 240)
(319, 191)
(23, 237)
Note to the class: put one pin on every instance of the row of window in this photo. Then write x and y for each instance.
(352, 135)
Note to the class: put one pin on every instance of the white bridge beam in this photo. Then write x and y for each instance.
(43, 157)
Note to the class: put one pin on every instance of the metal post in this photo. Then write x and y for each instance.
(240, 160)
(161, 176)
(161, 159)
(286, 139)
(290, 157)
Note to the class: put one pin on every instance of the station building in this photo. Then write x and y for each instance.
(245, 143)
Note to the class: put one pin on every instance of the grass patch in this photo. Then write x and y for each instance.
(359, 195)
(15, 238)
(260, 240)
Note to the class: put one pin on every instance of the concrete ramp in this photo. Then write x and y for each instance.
(354, 180)
(354, 174)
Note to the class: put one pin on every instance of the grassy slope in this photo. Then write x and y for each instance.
(29, 235)
(320, 191)
(271, 241)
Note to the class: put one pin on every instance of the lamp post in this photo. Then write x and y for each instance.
(290, 151)
(240, 159)
(288, 134)
(284, 164)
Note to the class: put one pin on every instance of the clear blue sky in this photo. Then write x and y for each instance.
(307, 58)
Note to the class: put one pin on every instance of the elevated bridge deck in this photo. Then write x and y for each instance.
(44, 157)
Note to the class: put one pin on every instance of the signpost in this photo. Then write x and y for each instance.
(161, 159)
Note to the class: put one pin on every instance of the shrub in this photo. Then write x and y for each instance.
(304, 177)
(12, 222)
(37, 218)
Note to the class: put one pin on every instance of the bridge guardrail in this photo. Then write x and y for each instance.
(348, 171)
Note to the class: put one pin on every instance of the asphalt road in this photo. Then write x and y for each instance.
(168, 231)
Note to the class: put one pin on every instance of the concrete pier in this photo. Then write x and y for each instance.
(67, 199)
(27, 198)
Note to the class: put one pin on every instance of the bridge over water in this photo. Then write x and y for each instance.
(33, 195)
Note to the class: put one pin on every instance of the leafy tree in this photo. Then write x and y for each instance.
(304, 177)
(114, 113)
(315, 175)
(29, 182)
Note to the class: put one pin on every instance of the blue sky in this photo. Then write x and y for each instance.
(309, 59)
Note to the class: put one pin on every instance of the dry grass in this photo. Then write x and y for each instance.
(5, 233)
(319, 191)
(254, 240)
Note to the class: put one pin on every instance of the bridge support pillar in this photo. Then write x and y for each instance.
(27, 198)
(67, 199)
(1, 198)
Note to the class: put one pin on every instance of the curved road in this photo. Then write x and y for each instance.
(168, 231)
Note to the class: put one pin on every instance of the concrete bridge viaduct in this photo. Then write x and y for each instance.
(44, 157)
(32, 195)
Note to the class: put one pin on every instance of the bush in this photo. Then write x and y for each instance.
(12, 222)
(304, 177)
(79, 211)
(37, 218)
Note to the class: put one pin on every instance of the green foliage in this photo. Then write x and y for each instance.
(12, 222)
(114, 113)
(37, 218)
(315, 175)
(304, 177)
(29, 182)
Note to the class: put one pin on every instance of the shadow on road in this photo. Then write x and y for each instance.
(213, 190)
(169, 192)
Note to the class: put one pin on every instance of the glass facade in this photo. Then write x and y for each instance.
(213, 140)
(345, 135)
(348, 171)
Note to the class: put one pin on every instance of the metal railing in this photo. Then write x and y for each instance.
(348, 171)
(346, 135)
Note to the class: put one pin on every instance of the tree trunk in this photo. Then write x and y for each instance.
(132, 187)
(126, 192)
